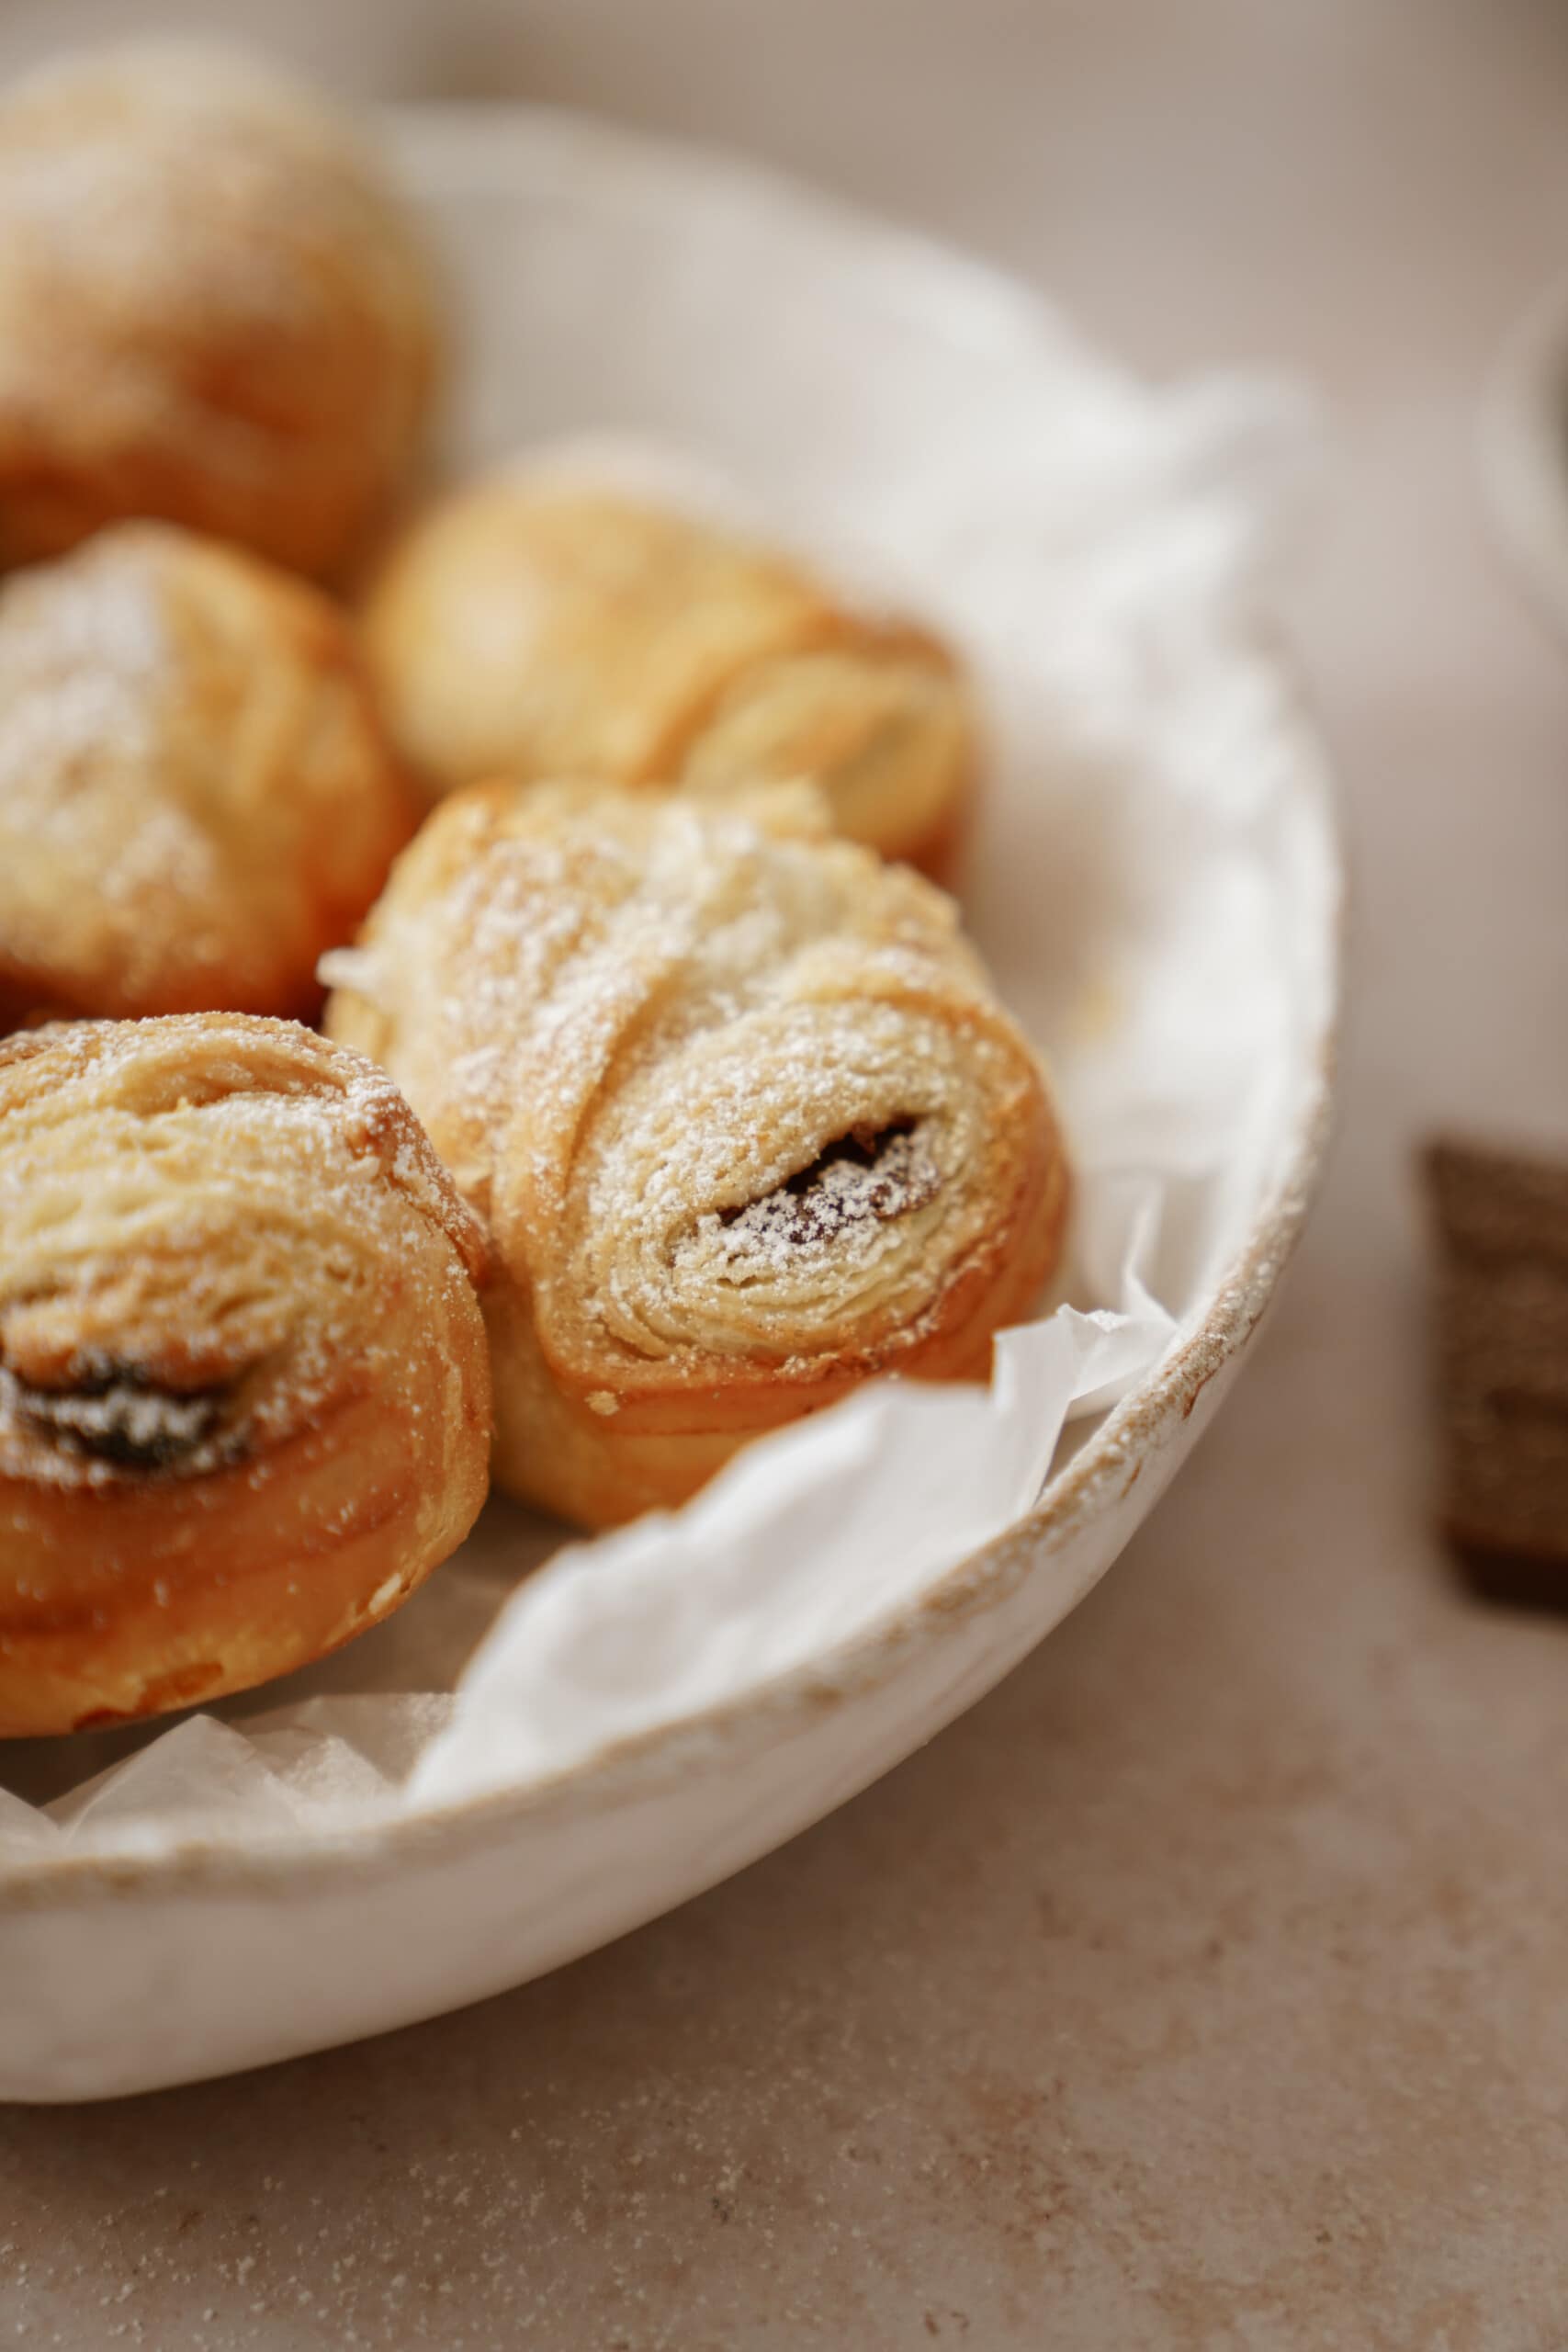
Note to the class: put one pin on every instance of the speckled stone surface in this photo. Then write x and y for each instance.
(1206, 1986)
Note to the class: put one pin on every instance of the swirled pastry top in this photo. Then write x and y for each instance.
(728, 1088)
(202, 1222)
(213, 308)
(196, 798)
(244, 1385)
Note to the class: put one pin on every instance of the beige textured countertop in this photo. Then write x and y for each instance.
(1206, 1986)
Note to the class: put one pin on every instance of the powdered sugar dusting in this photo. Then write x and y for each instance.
(182, 179)
(888, 1179)
(120, 1421)
(197, 1218)
(80, 668)
(212, 306)
(701, 1061)
(192, 785)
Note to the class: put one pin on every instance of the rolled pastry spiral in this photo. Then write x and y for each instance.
(745, 1119)
(195, 795)
(532, 626)
(244, 1397)
(213, 308)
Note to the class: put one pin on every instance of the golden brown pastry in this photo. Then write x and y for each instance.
(244, 1402)
(213, 309)
(195, 796)
(530, 627)
(744, 1118)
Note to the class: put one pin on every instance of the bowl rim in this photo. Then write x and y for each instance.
(1522, 447)
(1105, 1467)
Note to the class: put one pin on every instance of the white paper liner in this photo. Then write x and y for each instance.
(1128, 890)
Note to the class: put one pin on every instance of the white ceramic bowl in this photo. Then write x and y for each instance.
(1524, 447)
(618, 283)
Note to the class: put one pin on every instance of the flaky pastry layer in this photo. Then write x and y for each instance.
(244, 1398)
(213, 308)
(195, 795)
(531, 628)
(744, 1118)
